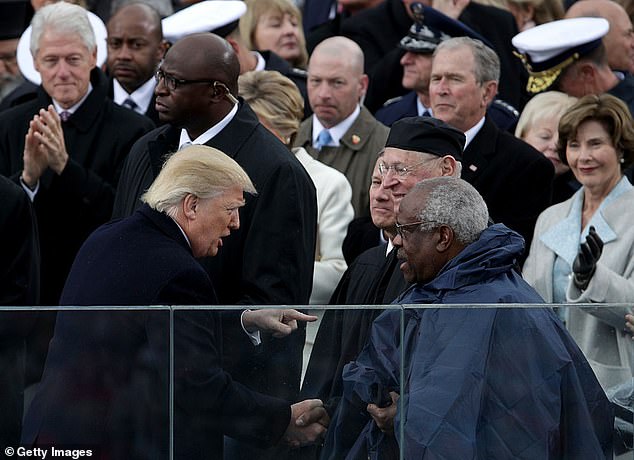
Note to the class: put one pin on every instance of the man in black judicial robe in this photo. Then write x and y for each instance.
(425, 147)
(269, 260)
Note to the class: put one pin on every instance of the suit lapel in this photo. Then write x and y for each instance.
(244, 123)
(477, 155)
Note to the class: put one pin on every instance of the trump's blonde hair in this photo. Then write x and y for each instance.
(198, 170)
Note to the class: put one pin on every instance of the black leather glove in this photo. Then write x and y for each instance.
(586, 261)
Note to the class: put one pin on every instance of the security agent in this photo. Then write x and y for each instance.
(223, 18)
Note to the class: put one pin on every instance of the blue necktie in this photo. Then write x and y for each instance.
(323, 139)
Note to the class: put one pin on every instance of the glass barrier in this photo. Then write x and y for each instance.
(410, 381)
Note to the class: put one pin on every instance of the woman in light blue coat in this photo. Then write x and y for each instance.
(583, 248)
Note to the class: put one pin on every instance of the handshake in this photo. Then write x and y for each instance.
(308, 424)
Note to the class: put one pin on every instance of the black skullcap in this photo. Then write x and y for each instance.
(15, 17)
(426, 135)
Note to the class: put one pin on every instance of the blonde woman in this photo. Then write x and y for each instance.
(275, 25)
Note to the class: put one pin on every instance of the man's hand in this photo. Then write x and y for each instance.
(384, 416)
(308, 423)
(585, 263)
(34, 157)
(48, 131)
(280, 322)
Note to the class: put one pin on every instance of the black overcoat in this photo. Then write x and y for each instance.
(269, 260)
(106, 380)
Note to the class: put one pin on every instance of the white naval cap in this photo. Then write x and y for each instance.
(217, 16)
(547, 49)
(25, 59)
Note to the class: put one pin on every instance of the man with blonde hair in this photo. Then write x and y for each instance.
(149, 258)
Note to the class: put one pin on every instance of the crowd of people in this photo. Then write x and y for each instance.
(294, 155)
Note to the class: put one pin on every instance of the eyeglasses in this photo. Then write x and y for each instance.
(401, 229)
(172, 82)
(400, 169)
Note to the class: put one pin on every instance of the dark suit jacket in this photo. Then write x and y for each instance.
(515, 180)
(624, 90)
(106, 379)
(18, 286)
(269, 260)
(70, 206)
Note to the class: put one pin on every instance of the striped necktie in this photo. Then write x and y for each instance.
(130, 104)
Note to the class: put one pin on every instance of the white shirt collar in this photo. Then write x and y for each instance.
(72, 109)
(390, 245)
(210, 133)
(142, 96)
(420, 108)
(337, 131)
(261, 65)
(472, 132)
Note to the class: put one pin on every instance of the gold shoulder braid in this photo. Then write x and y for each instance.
(540, 81)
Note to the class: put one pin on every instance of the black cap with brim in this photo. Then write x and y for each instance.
(432, 27)
(426, 135)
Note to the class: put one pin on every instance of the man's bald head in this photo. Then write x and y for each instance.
(336, 82)
(210, 55)
(198, 84)
(344, 48)
(619, 41)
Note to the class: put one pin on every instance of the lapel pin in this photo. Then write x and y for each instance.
(473, 168)
(355, 139)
